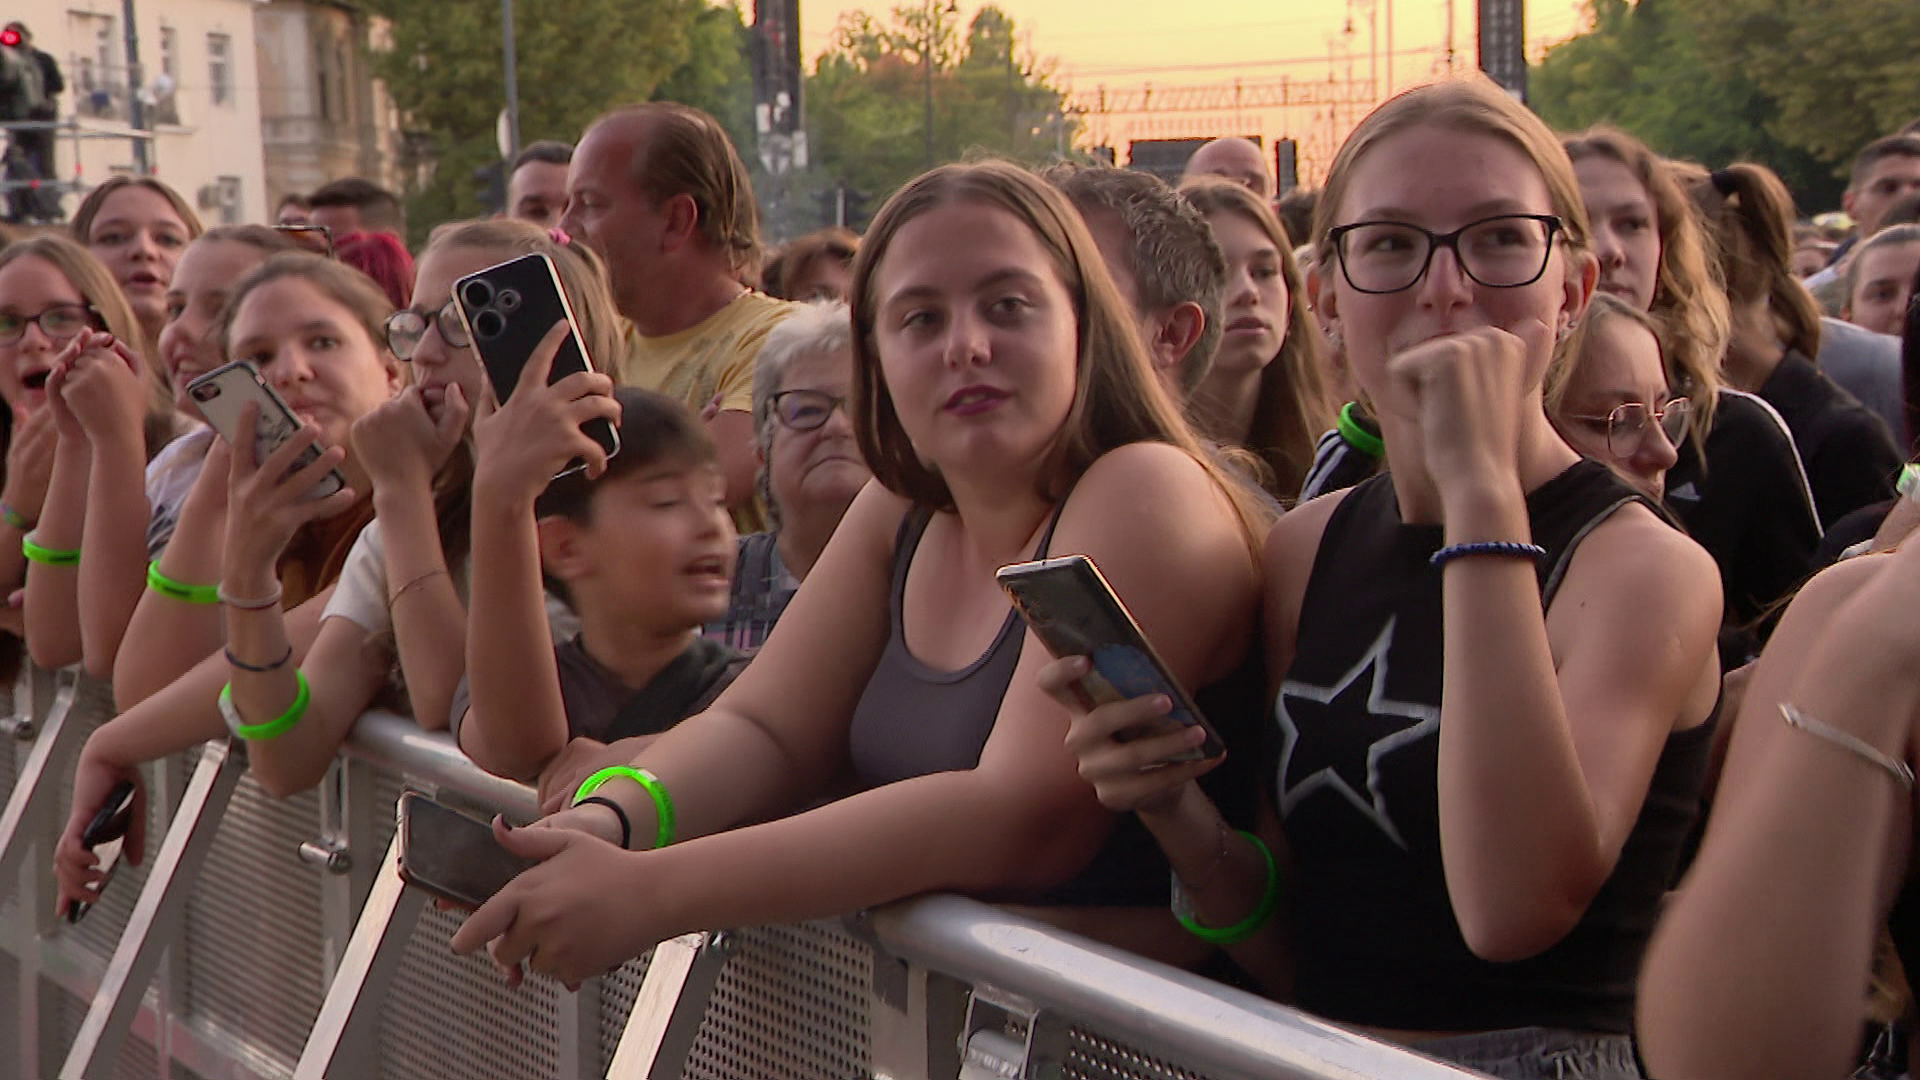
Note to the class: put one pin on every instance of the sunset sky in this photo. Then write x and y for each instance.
(1127, 45)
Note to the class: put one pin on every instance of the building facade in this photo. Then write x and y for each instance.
(197, 85)
(323, 115)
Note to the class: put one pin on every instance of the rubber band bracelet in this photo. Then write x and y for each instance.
(276, 727)
(626, 823)
(1247, 927)
(47, 556)
(1505, 549)
(244, 603)
(662, 802)
(180, 590)
(14, 518)
(1356, 434)
(258, 668)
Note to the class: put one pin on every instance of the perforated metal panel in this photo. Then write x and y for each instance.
(454, 1016)
(791, 1004)
(1092, 1056)
(253, 943)
(9, 1013)
(137, 1059)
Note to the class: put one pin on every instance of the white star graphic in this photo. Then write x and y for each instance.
(1373, 805)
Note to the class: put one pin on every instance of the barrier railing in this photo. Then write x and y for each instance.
(269, 938)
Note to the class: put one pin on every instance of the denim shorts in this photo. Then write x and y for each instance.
(1537, 1053)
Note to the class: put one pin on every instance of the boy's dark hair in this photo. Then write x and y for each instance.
(546, 152)
(1879, 150)
(653, 428)
(379, 208)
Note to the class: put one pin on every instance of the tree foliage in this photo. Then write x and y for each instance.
(1794, 85)
(445, 69)
(866, 103)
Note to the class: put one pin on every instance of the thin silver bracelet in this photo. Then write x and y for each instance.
(1900, 770)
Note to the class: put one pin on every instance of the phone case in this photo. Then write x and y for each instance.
(1069, 606)
(222, 395)
(507, 309)
(451, 855)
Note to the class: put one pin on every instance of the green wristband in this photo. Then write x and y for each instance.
(1247, 927)
(662, 802)
(47, 556)
(1357, 435)
(177, 590)
(279, 725)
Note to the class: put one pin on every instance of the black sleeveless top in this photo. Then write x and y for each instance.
(1356, 784)
(914, 719)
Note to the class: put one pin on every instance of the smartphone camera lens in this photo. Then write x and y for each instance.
(476, 294)
(489, 324)
(509, 301)
(206, 392)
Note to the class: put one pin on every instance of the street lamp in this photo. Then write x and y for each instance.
(926, 55)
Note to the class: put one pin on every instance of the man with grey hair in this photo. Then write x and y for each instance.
(810, 465)
(1161, 252)
(1239, 160)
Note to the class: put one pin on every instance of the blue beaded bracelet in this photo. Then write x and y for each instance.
(1503, 548)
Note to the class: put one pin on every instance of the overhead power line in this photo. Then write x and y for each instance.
(1221, 97)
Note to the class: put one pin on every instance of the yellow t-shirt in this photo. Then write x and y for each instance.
(714, 357)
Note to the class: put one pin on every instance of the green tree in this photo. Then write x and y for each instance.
(1654, 68)
(866, 99)
(444, 68)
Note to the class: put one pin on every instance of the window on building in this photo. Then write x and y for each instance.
(220, 67)
(99, 86)
(166, 81)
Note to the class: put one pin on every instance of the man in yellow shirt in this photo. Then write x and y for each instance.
(658, 190)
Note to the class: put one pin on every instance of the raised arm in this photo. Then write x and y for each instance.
(166, 635)
(516, 721)
(1019, 821)
(53, 633)
(30, 456)
(1758, 967)
(108, 395)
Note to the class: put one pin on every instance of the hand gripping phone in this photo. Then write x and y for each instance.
(104, 836)
(507, 309)
(1073, 611)
(224, 392)
(451, 855)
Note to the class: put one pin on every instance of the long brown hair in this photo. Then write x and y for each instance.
(1293, 408)
(1687, 295)
(1118, 398)
(1750, 215)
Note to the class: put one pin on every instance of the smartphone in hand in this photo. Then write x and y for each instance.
(104, 835)
(452, 855)
(507, 310)
(223, 393)
(1069, 606)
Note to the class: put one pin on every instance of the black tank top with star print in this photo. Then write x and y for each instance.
(1358, 720)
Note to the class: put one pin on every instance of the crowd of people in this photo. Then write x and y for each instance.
(1524, 510)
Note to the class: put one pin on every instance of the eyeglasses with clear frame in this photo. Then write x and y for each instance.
(1505, 251)
(59, 323)
(1627, 424)
(806, 410)
(407, 328)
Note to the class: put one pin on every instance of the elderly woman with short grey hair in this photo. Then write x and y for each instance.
(810, 465)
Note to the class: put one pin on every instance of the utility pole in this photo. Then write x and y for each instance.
(928, 57)
(1390, 83)
(136, 108)
(513, 80)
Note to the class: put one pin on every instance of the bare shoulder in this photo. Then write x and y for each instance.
(1154, 495)
(1635, 545)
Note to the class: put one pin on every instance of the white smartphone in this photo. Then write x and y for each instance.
(223, 393)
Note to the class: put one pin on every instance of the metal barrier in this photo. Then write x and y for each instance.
(273, 938)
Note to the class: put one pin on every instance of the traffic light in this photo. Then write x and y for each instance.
(490, 186)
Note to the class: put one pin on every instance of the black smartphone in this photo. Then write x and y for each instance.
(452, 855)
(105, 835)
(222, 395)
(1069, 606)
(507, 309)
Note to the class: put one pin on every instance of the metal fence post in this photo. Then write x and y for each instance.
(158, 914)
(666, 1014)
(345, 1034)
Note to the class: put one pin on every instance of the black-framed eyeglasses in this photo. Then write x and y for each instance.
(805, 410)
(1501, 252)
(1627, 424)
(315, 238)
(59, 323)
(407, 328)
